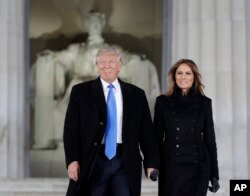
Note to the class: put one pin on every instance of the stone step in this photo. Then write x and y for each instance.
(53, 187)
(58, 186)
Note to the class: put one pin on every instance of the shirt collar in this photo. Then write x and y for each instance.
(105, 84)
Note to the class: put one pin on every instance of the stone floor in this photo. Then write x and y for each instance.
(52, 187)
(57, 187)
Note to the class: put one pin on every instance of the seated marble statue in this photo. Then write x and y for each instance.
(55, 72)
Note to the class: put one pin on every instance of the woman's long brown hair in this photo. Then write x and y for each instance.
(197, 85)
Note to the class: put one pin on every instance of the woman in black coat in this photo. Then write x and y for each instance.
(183, 125)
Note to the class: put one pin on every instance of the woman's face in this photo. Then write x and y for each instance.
(184, 77)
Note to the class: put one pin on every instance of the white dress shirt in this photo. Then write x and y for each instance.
(119, 105)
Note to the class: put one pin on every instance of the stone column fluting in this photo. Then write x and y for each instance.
(239, 89)
(3, 87)
(13, 101)
(247, 7)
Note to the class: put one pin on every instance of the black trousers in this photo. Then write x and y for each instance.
(110, 177)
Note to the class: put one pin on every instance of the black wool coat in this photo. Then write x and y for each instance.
(84, 129)
(184, 129)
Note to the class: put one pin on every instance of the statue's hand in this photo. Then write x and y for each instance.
(45, 53)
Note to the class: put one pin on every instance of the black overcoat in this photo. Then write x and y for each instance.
(84, 128)
(184, 130)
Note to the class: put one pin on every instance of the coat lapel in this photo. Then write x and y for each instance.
(98, 97)
(127, 102)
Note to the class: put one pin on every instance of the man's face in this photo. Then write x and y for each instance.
(108, 65)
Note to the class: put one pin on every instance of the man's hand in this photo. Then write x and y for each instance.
(152, 174)
(73, 170)
(215, 185)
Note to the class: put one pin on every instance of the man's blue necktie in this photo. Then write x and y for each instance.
(110, 134)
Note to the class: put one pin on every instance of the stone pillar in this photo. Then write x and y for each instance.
(247, 7)
(239, 89)
(13, 84)
(224, 96)
(179, 30)
(215, 35)
(166, 42)
(3, 87)
(208, 47)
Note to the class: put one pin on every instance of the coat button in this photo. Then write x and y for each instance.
(177, 145)
(101, 123)
(95, 143)
(177, 128)
(177, 138)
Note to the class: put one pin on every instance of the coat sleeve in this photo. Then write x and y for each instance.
(209, 139)
(158, 124)
(147, 138)
(71, 129)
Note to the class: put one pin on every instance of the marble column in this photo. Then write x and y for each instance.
(214, 34)
(13, 84)
(248, 76)
(3, 87)
(166, 42)
(239, 89)
(223, 96)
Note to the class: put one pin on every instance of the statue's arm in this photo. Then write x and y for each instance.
(64, 63)
(67, 57)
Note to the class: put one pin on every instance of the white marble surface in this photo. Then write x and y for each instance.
(3, 87)
(48, 163)
(13, 102)
(58, 186)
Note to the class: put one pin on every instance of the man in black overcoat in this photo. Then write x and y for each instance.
(90, 171)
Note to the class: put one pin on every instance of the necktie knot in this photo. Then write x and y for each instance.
(111, 86)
